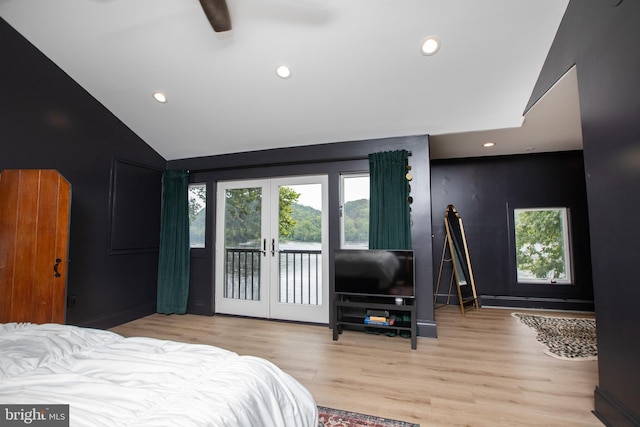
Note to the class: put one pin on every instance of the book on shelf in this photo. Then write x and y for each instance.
(382, 322)
(378, 313)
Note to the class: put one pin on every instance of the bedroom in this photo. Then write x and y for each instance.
(111, 289)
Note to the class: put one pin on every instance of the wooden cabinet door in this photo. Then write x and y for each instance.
(35, 208)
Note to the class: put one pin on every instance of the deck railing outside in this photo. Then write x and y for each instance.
(300, 275)
(242, 278)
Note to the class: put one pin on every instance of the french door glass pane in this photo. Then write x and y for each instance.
(300, 244)
(242, 236)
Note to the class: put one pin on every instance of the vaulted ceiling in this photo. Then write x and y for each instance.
(356, 71)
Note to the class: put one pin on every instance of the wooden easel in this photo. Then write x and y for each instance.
(459, 258)
(442, 261)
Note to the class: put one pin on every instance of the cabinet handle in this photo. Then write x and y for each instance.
(55, 267)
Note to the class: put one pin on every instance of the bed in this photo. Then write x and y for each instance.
(109, 380)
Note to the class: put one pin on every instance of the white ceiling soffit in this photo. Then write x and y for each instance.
(356, 68)
(552, 124)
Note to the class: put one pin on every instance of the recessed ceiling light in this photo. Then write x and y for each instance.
(488, 144)
(160, 97)
(430, 46)
(283, 71)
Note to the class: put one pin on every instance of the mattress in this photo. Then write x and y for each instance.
(109, 380)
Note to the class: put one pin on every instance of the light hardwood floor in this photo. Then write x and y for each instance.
(485, 369)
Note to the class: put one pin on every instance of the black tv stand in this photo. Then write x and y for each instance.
(350, 311)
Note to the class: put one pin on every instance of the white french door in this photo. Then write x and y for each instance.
(271, 248)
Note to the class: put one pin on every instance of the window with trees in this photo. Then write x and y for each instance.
(354, 211)
(542, 245)
(197, 214)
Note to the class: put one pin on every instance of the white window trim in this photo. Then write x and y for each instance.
(567, 249)
(197, 245)
(343, 244)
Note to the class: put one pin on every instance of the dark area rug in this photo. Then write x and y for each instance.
(565, 338)
(329, 417)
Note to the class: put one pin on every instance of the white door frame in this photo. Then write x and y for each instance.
(302, 312)
(269, 305)
(254, 308)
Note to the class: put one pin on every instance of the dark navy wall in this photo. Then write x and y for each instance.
(482, 190)
(48, 121)
(601, 38)
(332, 160)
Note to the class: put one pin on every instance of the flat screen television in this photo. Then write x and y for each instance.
(375, 272)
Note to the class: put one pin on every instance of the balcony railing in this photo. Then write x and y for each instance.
(242, 278)
(300, 275)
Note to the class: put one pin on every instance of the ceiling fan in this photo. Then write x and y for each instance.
(217, 13)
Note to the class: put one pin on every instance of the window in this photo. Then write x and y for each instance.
(354, 211)
(542, 245)
(197, 214)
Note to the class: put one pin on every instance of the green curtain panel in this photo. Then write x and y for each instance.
(389, 217)
(173, 263)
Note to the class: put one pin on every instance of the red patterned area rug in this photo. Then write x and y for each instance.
(336, 418)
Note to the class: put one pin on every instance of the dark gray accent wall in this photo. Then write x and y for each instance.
(601, 38)
(47, 121)
(484, 191)
(332, 160)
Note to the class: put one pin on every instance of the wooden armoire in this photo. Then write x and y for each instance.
(35, 208)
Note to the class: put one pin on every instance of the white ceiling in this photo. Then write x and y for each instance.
(357, 72)
(552, 124)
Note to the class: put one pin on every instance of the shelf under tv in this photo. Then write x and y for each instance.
(350, 311)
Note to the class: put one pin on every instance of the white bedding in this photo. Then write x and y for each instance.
(109, 380)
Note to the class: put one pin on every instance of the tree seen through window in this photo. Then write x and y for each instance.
(542, 245)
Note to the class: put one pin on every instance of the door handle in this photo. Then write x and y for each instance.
(264, 247)
(55, 267)
(273, 247)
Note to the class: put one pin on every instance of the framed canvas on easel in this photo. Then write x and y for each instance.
(462, 274)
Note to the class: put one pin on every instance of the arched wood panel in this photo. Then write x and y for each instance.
(35, 208)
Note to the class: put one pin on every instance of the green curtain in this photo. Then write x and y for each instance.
(389, 217)
(173, 260)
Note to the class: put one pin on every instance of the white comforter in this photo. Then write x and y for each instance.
(109, 380)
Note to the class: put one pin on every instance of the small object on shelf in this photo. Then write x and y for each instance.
(384, 322)
(380, 313)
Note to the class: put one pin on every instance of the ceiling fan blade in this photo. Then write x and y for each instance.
(217, 13)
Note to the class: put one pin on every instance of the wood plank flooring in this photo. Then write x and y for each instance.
(485, 369)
